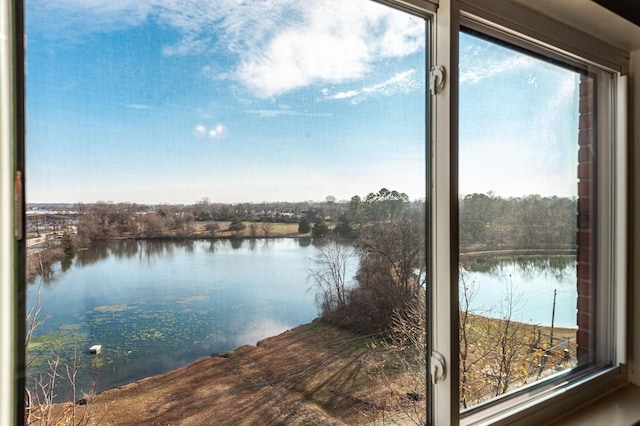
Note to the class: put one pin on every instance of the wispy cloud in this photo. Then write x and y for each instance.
(74, 17)
(280, 112)
(345, 95)
(480, 65)
(401, 82)
(278, 45)
(138, 106)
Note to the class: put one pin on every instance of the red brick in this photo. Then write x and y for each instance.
(586, 87)
(584, 270)
(585, 137)
(584, 188)
(583, 238)
(585, 121)
(584, 204)
(583, 320)
(584, 304)
(584, 288)
(584, 254)
(585, 153)
(585, 106)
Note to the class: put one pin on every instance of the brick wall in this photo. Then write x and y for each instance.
(586, 208)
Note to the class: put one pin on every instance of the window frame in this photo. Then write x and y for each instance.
(554, 397)
(12, 209)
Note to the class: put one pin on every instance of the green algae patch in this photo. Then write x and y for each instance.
(192, 299)
(111, 308)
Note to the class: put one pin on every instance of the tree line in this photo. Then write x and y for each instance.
(489, 222)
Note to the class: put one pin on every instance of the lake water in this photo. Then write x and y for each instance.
(158, 305)
(531, 280)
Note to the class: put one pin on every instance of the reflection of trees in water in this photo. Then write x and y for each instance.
(559, 267)
(157, 248)
(97, 252)
(145, 250)
(125, 249)
(213, 245)
(304, 242)
(66, 263)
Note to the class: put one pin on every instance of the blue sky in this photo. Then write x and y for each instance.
(265, 100)
(518, 123)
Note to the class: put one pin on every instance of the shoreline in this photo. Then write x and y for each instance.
(314, 373)
(559, 333)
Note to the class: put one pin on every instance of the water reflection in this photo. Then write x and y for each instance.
(533, 280)
(558, 266)
(158, 305)
(304, 242)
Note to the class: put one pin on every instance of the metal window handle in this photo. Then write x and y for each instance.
(438, 367)
(437, 78)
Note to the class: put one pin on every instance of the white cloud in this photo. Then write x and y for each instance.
(332, 41)
(138, 106)
(216, 131)
(280, 45)
(280, 112)
(345, 95)
(478, 63)
(401, 82)
(200, 130)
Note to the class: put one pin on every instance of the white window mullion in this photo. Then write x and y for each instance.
(621, 220)
(444, 302)
(7, 228)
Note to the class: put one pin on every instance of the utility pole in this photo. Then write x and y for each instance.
(553, 316)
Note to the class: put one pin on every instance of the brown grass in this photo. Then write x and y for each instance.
(313, 374)
(277, 230)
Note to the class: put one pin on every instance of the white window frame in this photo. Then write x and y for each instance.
(549, 399)
(9, 215)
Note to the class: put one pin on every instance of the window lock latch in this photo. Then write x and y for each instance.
(437, 78)
(438, 367)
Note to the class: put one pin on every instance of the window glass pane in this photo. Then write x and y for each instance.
(525, 202)
(204, 176)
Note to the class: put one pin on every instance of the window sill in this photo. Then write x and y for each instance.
(548, 404)
(620, 408)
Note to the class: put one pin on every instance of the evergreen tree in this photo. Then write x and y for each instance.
(304, 226)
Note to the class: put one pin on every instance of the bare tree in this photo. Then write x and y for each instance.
(328, 272)
(510, 339)
(391, 276)
(495, 350)
(267, 228)
(405, 355)
(253, 230)
(472, 352)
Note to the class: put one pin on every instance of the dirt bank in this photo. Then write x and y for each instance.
(313, 374)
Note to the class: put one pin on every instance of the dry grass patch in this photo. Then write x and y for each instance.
(313, 374)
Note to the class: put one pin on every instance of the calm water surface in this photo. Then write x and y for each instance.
(158, 305)
(155, 306)
(531, 282)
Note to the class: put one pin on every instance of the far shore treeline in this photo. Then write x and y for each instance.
(487, 222)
